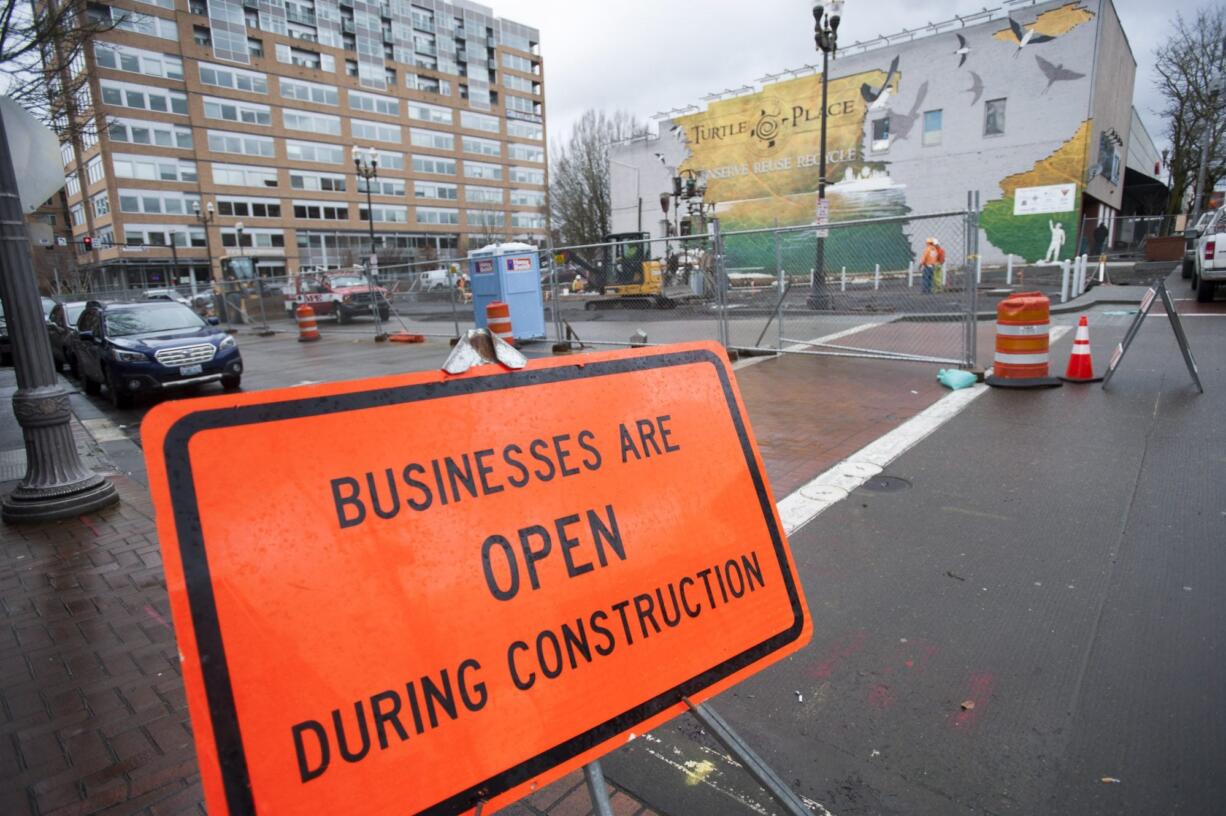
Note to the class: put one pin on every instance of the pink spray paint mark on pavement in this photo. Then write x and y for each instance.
(881, 696)
(842, 649)
(978, 693)
(153, 613)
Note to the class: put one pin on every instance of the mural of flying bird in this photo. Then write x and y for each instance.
(1056, 73)
(1026, 36)
(660, 158)
(963, 50)
(678, 133)
(900, 124)
(877, 97)
(976, 88)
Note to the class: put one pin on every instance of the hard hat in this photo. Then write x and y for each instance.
(931, 241)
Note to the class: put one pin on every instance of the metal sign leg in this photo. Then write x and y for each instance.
(759, 770)
(597, 789)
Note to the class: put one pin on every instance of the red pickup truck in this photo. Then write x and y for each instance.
(345, 295)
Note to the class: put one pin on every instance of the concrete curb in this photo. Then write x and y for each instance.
(117, 447)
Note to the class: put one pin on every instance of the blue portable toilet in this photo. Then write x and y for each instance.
(510, 273)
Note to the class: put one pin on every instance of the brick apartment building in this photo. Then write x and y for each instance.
(249, 110)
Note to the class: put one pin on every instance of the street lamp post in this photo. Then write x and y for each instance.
(826, 37)
(205, 219)
(57, 484)
(367, 168)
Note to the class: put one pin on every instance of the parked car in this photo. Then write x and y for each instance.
(136, 348)
(6, 347)
(1210, 267)
(1189, 244)
(166, 294)
(62, 328)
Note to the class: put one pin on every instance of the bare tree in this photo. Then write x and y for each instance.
(1187, 66)
(579, 191)
(42, 58)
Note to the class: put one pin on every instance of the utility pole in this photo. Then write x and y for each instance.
(57, 484)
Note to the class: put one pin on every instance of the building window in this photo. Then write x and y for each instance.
(486, 218)
(94, 172)
(309, 91)
(314, 152)
(932, 128)
(152, 168)
(523, 152)
(322, 182)
(135, 131)
(483, 195)
(527, 175)
(994, 117)
(243, 175)
(373, 103)
(881, 133)
(382, 186)
(525, 130)
(482, 147)
(202, 36)
(388, 213)
(437, 215)
(77, 213)
(479, 121)
(143, 97)
(221, 141)
(433, 113)
(233, 78)
(528, 220)
(528, 198)
(137, 61)
(435, 189)
(481, 170)
(430, 164)
(157, 202)
(321, 210)
(362, 129)
(255, 47)
(248, 207)
(233, 111)
(102, 204)
(312, 122)
(432, 139)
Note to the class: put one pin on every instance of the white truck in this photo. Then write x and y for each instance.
(1210, 269)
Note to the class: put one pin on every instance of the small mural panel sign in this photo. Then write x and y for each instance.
(1052, 198)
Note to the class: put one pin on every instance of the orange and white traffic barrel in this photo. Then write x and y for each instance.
(1023, 326)
(307, 330)
(498, 320)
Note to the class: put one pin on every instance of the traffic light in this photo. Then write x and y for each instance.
(88, 242)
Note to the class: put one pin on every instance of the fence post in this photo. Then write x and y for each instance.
(910, 274)
(978, 266)
(1009, 270)
(1064, 281)
(782, 288)
(876, 277)
(843, 280)
(721, 280)
(451, 288)
(970, 337)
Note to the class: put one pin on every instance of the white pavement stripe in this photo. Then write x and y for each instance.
(103, 430)
(817, 341)
(837, 483)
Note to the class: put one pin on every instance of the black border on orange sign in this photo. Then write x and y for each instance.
(209, 641)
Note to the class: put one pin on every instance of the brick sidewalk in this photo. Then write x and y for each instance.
(92, 713)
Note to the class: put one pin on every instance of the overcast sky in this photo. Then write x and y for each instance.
(646, 56)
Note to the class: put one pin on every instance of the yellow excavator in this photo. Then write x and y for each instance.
(625, 276)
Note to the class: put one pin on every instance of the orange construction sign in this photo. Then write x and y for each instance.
(427, 593)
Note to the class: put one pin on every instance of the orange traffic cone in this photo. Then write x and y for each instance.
(1080, 363)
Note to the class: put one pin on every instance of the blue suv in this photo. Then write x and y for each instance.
(136, 348)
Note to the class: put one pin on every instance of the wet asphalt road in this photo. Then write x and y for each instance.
(1033, 626)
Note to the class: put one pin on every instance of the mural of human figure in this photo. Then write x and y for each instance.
(1057, 242)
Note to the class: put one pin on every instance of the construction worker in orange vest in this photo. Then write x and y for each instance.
(928, 263)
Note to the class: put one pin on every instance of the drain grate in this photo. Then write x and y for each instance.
(887, 484)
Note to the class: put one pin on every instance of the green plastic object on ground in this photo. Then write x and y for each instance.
(954, 378)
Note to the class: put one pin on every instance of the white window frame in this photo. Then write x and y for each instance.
(377, 131)
(308, 151)
(173, 136)
(253, 176)
(322, 124)
(483, 170)
(315, 92)
(252, 82)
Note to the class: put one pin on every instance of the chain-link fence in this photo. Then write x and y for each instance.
(896, 288)
(1125, 237)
